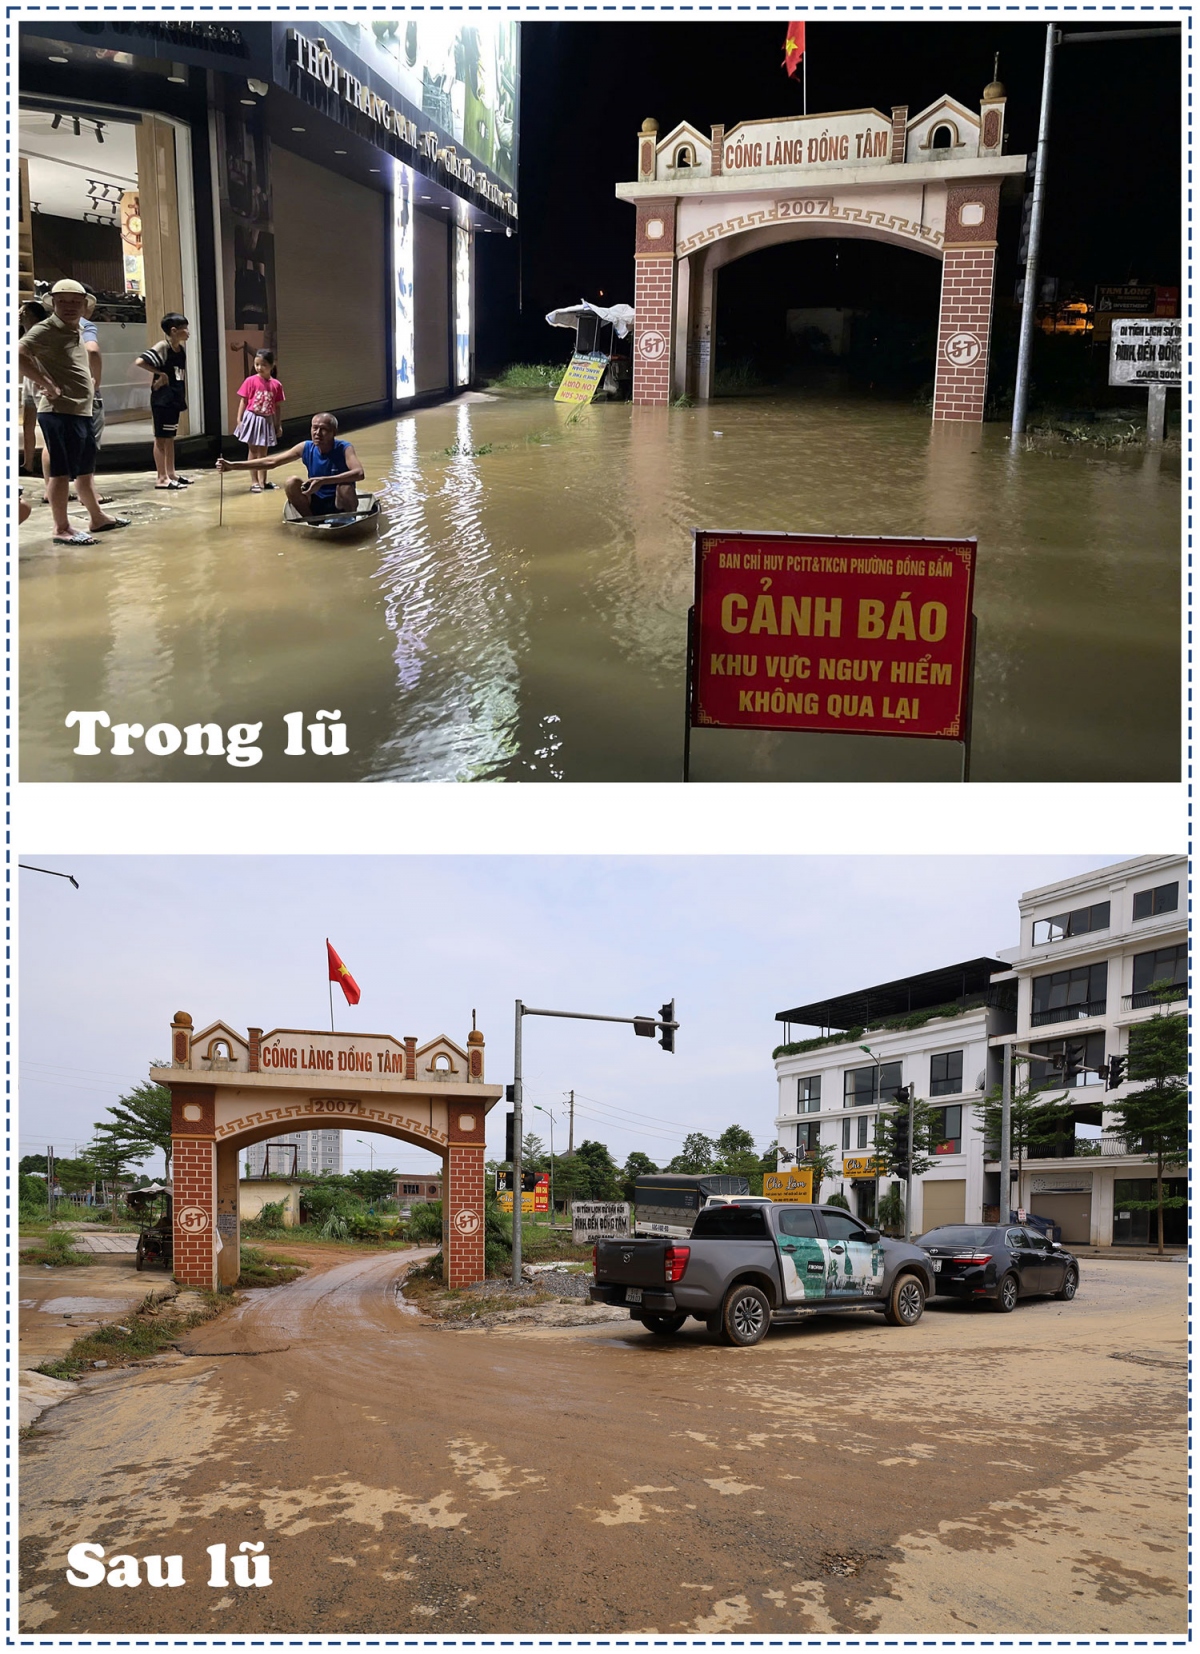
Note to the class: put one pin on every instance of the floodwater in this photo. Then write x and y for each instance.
(521, 613)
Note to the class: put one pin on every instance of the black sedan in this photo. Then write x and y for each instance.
(999, 1263)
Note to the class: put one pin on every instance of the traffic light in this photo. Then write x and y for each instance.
(508, 1138)
(667, 1024)
(1114, 1072)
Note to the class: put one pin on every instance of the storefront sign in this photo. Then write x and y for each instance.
(859, 137)
(863, 1165)
(794, 1185)
(331, 1054)
(847, 634)
(1146, 353)
(593, 1220)
(582, 379)
(536, 1199)
(1125, 301)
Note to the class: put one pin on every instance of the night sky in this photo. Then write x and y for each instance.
(1113, 192)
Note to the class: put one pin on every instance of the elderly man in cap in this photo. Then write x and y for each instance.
(53, 356)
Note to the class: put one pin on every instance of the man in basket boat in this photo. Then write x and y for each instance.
(334, 471)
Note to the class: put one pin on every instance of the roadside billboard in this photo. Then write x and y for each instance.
(793, 1185)
(1146, 352)
(593, 1220)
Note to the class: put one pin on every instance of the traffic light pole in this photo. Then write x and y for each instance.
(1005, 1129)
(665, 1022)
(912, 1098)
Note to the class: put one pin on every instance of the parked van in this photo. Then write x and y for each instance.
(668, 1203)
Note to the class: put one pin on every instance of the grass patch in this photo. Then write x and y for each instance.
(151, 1329)
(530, 376)
(464, 450)
(738, 379)
(260, 1269)
(57, 1252)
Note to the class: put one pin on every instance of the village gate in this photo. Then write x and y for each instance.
(931, 184)
(229, 1090)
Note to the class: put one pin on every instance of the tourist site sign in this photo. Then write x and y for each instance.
(848, 634)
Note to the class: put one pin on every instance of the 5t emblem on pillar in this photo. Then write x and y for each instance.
(963, 349)
(467, 1223)
(652, 346)
(193, 1220)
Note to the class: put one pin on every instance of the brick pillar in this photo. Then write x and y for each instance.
(965, 318)
(229, 1227)
(899, 132)
(194, 1183)
(254, 1046)
(718, 151)
(410, 1057)
(462, 1200)
(654, 303)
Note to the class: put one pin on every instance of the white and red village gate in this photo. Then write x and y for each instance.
(229, 1090)
(931, 184)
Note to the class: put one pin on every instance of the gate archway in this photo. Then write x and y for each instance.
(931, 183)
(229, 1090)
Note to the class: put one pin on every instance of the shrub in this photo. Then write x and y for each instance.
(425, 1222)
(838, 1200)
(335, 1227)
(57, 1251)
(531, 375)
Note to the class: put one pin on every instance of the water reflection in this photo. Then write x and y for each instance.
(521, 613)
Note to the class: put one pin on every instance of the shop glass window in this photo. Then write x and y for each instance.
(808, 1136)
(808, 1094)
(1163, 965)
(860, 1084)
(1136, 1225)
(1065, 996)
(1164, 898)
(945, 1073)
(946, 1129)
(864, 1121)
(1078, 922)
(1067, 1062)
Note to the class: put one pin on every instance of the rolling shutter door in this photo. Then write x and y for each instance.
(943, 1202)
(1072, 1213)
(331, 268)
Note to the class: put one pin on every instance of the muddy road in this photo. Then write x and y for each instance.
(1021, 1473)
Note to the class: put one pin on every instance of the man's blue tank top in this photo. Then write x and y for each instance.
(331, 464)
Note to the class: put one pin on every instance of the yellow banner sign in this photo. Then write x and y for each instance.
(582, 379)
(528, 1200)
(794, 1185)
(862, 1165)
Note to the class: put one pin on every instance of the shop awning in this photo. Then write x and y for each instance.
(619, 316)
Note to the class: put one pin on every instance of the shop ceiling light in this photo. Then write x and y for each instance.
(58, 60)
(297, 129)
(339, 152)
(75, 122)
(99, 132)
(258, 87)
(178, 74)
(56, 123)
(250, 101)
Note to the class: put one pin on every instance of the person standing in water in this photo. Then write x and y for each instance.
(166, 362)
(259, 421)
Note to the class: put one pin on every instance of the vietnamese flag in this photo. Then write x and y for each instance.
(339, 974)
(793, 47)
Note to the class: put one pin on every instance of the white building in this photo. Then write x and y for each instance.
(316, 1151)
(932, 1030)
(1091, 947)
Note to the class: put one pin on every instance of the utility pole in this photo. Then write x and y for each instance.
(912, 1100)
(1005, 1129)
(664, 1024)
(571, 1131)
(1025, 346)
(50, 1180)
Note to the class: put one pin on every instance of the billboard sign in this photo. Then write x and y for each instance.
(593, 1220)
(791, 1186)
(1146, 352)
(847, 634)
(582, 379)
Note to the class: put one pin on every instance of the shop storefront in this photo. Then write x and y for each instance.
(315, 191)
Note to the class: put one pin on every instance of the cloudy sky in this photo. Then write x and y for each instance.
(732, 939)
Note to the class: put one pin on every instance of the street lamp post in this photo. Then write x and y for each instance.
(550, 1116)
(664, 1023)
(370, 1148)
(877, 1090)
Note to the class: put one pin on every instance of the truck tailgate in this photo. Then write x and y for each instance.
(638, 1262)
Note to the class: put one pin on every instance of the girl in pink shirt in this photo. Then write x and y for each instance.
(260, 423)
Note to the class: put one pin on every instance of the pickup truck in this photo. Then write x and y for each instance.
(749, 1266)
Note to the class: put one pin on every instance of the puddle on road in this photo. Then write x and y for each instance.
(521, 613)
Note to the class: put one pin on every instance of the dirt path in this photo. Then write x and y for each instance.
(977, 1473)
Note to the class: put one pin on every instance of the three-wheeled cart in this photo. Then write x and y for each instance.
(153, 1205)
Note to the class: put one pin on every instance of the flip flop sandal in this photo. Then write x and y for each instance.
(185, 482)
(106, 528)
(256, 488)
(77, 539)
(272, 486)
(162, 487)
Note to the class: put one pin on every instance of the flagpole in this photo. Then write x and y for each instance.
(806, 71)
(331, 1027)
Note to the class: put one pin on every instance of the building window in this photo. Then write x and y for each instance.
(846, 1133)
(808, 1136)
(864, 1121)
(1066, 996)
(946, 1129)
(808, 1094)
(1078, 922)
(860, 1085)
(945, 1074)
(1135, 1226)
(1067, 1062)
(411, 1188)
(1163, 965)
(1163, 899)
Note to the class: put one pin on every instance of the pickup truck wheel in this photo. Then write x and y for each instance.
(906, 1302)
(664, 1325)
(745, 1316)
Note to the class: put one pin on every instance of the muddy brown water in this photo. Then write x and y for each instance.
(521, 613)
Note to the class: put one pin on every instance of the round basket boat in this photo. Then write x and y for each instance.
(339, 525)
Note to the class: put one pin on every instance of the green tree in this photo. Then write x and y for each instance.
(696, 1155)
(891, 1137)
(1032, 1117)
(637, 1165)
(824, 1162)
(32, 1163)
(1155, 1116)
(373, 1185)
(142, 1120)
(533, 1153)
(734, 1142)
(601, 1177)
(110, 1155)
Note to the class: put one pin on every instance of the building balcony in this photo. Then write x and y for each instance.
(1069, 1013)
(1109, 1146)
(1157, 996)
